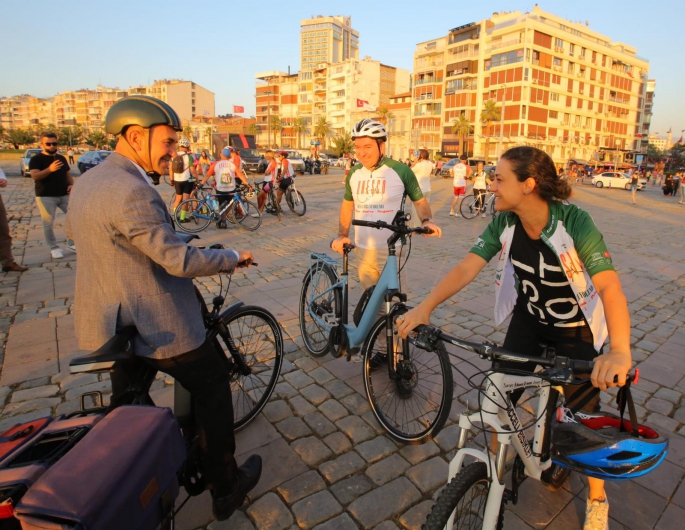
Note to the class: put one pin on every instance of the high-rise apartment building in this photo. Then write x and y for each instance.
(187, 98)
(562, 87)
(327, 40)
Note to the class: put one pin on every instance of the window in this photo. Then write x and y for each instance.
(523, 112)
(500, 59)
(558, 44)
(582, 53)
(556, 79)
(525, 74)
(554, 97)
(571, 67)
(553, 114)
(571, 49)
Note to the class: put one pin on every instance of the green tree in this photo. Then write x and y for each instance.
(462, 127)
(300, 128)
(276, 127)
(2, 133)
(384, 115)
(343, 144)
(188, 132)
(112, 143)
(322, 130)
(653, 151)
(97, 139)
(490, 113)
(72, 135)
(254, 130)
(208, 131)
(19, 137)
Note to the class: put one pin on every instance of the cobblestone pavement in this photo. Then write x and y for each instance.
(327, 464)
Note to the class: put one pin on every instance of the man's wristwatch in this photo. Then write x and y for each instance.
(427, 220)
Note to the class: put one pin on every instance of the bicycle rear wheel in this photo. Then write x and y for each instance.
(296, 202)
(245, 214)
(258, 340)
(470, 207)
(463, 501)
(318, 279)
(198, 215)
(412, 406)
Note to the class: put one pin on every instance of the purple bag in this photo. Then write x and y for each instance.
(122, 475)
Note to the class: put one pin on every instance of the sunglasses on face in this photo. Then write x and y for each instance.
(50, 143)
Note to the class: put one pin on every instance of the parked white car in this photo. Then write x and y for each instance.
(612, 179)
(25, 159)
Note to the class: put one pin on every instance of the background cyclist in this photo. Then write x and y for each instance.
(552, 264)
(481, 182)
(133, 270)
(227, 177)
(460, 172)
(182, 173)
(286, 174)
(269, 179)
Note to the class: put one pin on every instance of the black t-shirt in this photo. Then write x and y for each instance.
(633, 179)
(544, 293)
(55, 184)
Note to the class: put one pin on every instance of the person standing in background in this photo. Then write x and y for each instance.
(6, 258)
(70, 152)
(423, 169)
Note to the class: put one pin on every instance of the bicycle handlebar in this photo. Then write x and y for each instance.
(392, 227)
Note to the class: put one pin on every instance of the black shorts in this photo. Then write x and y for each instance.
(285, 183)
(527, 337)
(185, 187)
(224, 198)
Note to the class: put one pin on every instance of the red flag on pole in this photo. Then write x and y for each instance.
(237, 109)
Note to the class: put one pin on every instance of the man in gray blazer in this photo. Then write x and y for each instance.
(132, 270)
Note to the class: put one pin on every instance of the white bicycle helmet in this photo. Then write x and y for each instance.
(184, 142)
(369, 129)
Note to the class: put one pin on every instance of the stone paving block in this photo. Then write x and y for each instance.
(338, 389)
(429, 475)
(35, 393)
(350, 488)
(8, 422)
(355, 428)
(660, 406)
(338, 443)
(387, 470)
(100, 386)
(541, 507)
(300, 487)
(301, 406)
(342, 522)
(386, 525)
(269, 513)
(5, 391)
(307, 364)
(414, 518)
(12, 409)
(376, 449)
(333, 410)
(663, 422)
(667, 394)
(448, 438)
(634, 506)
(416, 454)
(341, 467)
(276, 411)
(384, 502)
(237, 521)
(372, 422)
(321, 375)
(312, 451)
(316, 509)
(298, 379)
(33, 383)
(293, 428)
(67, 381)
(319, 424)
(285, 390)
(315, 394)
(672, 517)
(287, 366)
(356, 404)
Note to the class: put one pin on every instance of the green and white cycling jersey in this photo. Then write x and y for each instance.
(573, 237)
(378, 195)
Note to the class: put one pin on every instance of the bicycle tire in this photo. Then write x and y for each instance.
(170, 204)
(473, 475)
(418, 415)
(166, 179)
(315, 336)
(468, 208)
(245, 214)
(297, 204)
(276, 205)
(198, 214)
(250, 393)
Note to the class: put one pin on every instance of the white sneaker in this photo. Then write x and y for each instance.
(457, 214)
(484, 215)
(57, 253)
(71, 246)
(452, 213)
(597, 515)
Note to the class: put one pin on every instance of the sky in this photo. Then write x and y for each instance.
(47, 47)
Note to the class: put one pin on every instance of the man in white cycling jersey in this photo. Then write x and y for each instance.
(227, 176)
(460, 172)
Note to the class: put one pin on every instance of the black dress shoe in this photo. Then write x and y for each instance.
(15, 267)
(248, 477)
(184, 220)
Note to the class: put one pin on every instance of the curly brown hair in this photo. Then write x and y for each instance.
(530, 162)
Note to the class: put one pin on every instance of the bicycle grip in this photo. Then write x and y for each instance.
(582, 367)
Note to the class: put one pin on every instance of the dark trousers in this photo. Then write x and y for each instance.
(6, 258)
(205, 374)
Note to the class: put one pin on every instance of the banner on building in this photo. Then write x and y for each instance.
(237, 109)
(361, 104)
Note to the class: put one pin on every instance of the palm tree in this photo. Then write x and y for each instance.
(254, 130)
(462, 127)
(384, 115)
(322, 130)
(208, 135)
(343, 144)
(300, 127)
(490, 113)
(188, 132)
(276, 126)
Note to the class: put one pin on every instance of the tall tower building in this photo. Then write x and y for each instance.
(327, 40)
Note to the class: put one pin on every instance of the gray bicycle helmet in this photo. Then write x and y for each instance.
(369, 129)
(145, 111)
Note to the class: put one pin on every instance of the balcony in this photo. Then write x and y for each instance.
(452, 56)
(466, 86)
(428, 80)
(503, 44)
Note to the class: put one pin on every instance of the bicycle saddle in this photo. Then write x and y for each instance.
(118, 348)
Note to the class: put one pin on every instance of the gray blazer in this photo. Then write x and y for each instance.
(131, 267)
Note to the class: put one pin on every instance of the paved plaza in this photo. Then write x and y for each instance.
(327, 463)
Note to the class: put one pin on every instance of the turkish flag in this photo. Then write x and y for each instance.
(361, 103)
(237, 109)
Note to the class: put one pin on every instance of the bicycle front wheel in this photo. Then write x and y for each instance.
(463, 501)
(413, 404)
(259, 344)
(246, 214)
(296, 202)
(198, 215)
(318, 279)
(470, 207)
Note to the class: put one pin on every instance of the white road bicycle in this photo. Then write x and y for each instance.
(475, 494)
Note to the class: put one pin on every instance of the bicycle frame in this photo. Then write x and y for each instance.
(500, 414)
(215, 213)
(387, 283)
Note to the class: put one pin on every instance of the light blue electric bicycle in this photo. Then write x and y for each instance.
(409, 389)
